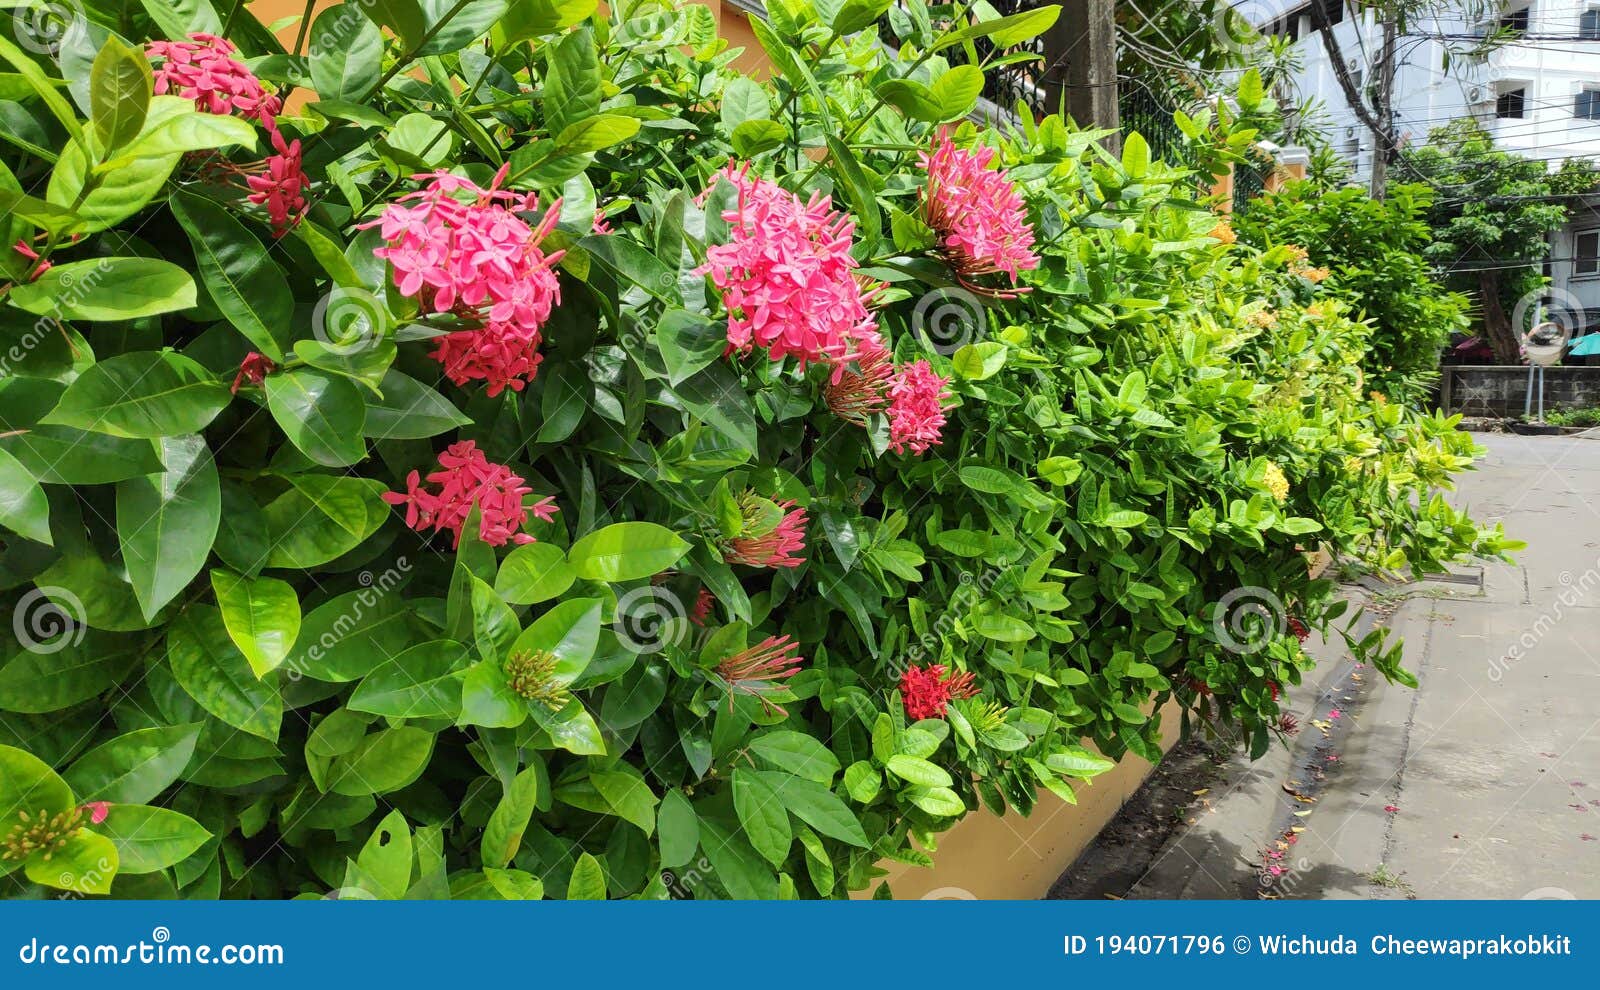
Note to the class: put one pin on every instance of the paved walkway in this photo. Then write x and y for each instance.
(1484, 782)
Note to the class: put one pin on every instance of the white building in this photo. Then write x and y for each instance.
(1539, 95)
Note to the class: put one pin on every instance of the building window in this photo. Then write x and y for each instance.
(1515, 20)
(1587, 105)
(1510, 105)
(1586, 253)
(1589, 25)
(1334, 9)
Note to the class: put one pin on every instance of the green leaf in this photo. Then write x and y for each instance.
(145, 394)
(533, 573)
(570, 631)
(956, 91)
(588, 882)
(527, 19)
(917, 771)
(409, 410)
(677, 829)
(629, 797)
(167, 522)
(940, 801)
(800, 754)
(626, 552)
(457, 23)
(322, 518)
(150, 839)
(817, 806)
(85, 864)
(856, 15)
(385, 859)
(346, 54)
(347, 636)
(23, 507)
(63, 454)
(262, 616)
(1078, 762)
(858, 188)
(322, 414)
(862, 781)
(106, 289)
(634, 265)
(761, 813)
(1005, 32)
(134, 767)
(186, 132)
(240, 276)
(502, 836)
(739, 868)
(422, 682)
(596, 133)
(213, 672)
(913, 99)
(404, 17)
(28, 785)
(382, 762)
(1135, 156)
(752, 137)
(120, 87)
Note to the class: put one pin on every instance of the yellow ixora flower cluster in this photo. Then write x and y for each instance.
(1275, 481)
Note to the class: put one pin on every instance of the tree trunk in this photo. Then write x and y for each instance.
(1496, 324)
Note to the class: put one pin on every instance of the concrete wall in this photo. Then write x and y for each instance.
(1482, 390)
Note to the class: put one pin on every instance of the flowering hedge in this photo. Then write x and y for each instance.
(545, 461)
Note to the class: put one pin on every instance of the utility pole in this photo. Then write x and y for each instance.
(1082, 51)
(1383, 142)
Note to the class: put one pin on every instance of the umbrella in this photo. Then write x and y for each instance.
(1586, 346)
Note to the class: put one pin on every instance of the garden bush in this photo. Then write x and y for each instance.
(504, 451)
(1373, 254)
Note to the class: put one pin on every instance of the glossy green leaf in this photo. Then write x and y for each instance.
(241, 276)
(322, 414)
(421, 682)
(262, 616)
(107, 289)
(149, 839)
(134, 767)
(213, 672)
(146, 394)
(167, 522)
(626, 552)
(23, 507)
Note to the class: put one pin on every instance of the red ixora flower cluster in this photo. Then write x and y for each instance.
(462, 249)
(759, 545)
(927, 691)
(786, 274)
(976, 211)
(203, 69)
(467, 479)
(912, 396)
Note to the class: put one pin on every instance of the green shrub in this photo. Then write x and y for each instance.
(1373, 251)
(241, 669)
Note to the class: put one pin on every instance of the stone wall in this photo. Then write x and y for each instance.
(1490, 390)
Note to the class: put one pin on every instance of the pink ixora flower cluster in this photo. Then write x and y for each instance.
(978, 214)
(786, 274)
(912, 396)
(467, 479)
(203, 69)
(464, 250)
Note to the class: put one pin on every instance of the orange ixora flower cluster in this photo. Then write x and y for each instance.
(1300, 264)
(1223, 232)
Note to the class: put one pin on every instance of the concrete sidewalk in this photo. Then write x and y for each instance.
(1484, 782)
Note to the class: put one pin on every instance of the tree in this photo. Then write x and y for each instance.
(1492, 216)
